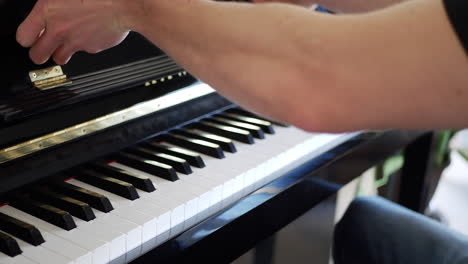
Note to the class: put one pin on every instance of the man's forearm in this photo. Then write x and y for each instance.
(253, 54)
(319, 72)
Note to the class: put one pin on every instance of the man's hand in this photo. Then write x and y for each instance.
(59, 28)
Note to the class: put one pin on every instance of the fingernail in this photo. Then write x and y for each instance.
(39, 62)
(44, 61)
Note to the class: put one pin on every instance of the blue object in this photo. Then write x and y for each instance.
(323, 10)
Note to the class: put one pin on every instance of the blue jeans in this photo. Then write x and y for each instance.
(374, 230)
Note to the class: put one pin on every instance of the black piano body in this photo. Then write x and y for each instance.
(46, 132)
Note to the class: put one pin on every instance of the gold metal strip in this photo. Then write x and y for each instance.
(49, 78)
(95, 125)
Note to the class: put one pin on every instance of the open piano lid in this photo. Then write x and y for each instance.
(120, 77)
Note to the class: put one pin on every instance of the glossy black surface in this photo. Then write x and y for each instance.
(255, 130)
(74, 207)
(243, 112)
(8, 245)
(48, 213)
(231, 232)
(147, 165)
(109, 184)
(414, 190)
(139, 181)
(265, 125)
(225, 143)
(196, 145)
(95, 200)
(192, 158)
(180, 165)
(225, 131)
(21, 229)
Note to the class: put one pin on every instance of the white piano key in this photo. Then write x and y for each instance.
(199, 187)
(20, 259)
(42, 255)
(170, 202)
(190, 197)
(66, 248)
(133, 232)
(188, 200)
(115, 238)
(165, 189)
(220, 172)
(120, 202)
(123, 209)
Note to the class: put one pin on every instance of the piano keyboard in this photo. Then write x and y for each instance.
(116, 209)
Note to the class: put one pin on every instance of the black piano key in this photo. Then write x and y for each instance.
(225, 143)
(192, 158)
(149, 166)
(74, 207)
(139, 181)
(266, 126)
(241, 111)
(201, 146)
(256, 131)
(95, 200)
(48, 213)
(8, 245)
(178, 164)
(109, 184)
(225, 131)
(21, 230)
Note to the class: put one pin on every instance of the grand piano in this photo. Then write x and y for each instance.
(123, 156)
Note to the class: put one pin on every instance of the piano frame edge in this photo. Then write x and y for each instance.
(297, 191)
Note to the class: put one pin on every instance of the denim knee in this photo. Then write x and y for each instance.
(374, 230)
(351, 232)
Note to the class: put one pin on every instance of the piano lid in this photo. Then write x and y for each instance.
(18, 65)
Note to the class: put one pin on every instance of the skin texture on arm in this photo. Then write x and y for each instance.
(401, 67)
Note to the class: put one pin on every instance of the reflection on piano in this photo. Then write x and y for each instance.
(135, 158)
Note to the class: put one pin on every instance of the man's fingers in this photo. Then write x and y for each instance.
(63, 54)
(44, 47)
(29, 31)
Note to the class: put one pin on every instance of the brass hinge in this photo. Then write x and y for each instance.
(49, 78)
